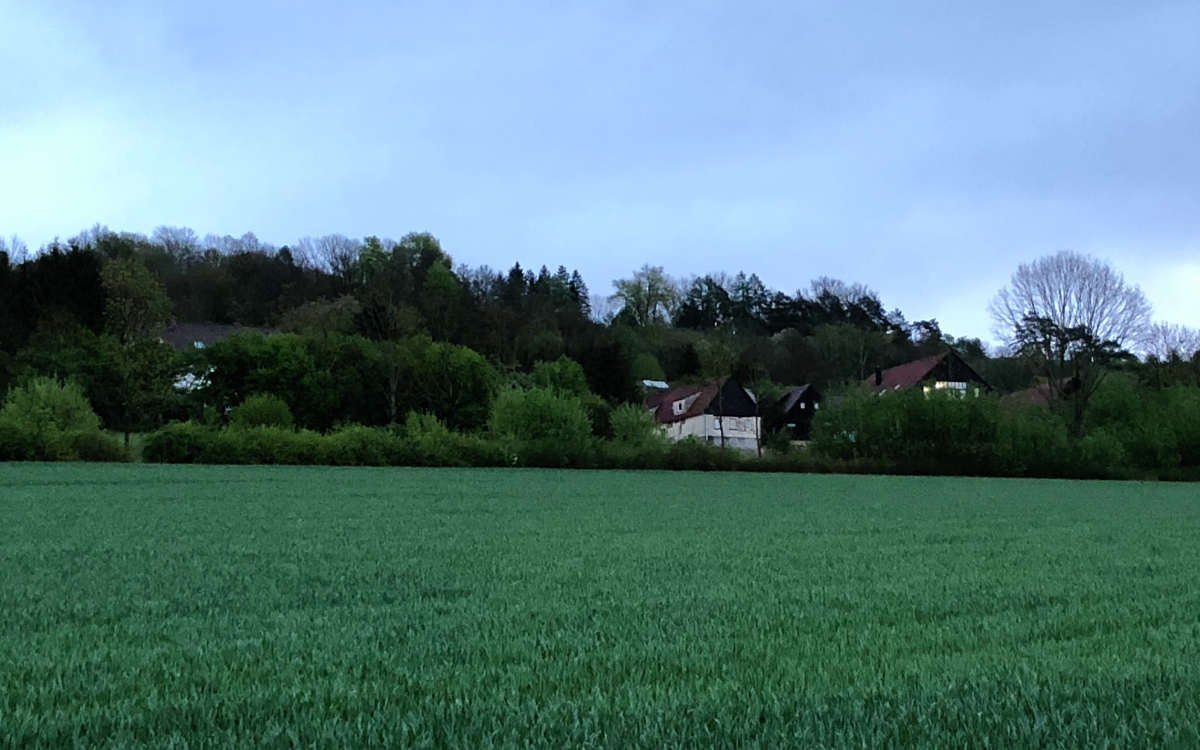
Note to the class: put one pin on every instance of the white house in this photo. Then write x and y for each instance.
(722, 413)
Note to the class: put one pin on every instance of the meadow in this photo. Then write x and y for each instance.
(209, 606)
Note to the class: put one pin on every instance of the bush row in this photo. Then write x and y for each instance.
(1130, 435)
(422, 442)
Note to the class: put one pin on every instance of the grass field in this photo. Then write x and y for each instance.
(173, 606)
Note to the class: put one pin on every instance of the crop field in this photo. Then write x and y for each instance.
(200, 606)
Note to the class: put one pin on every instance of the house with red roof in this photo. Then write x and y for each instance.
(720, 412)
(941, 372)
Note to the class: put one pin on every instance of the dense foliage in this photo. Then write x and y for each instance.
(280, 607)
(340, 332)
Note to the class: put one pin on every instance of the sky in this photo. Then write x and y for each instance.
(922, 148)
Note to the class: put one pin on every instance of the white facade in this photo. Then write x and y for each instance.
(740, 432)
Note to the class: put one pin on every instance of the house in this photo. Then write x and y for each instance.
(721, 412)
(945, 371)
(185, 336)
(796, 410)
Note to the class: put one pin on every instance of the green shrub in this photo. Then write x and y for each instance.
(272, 445)
(180, 443)
(635, 427)
(262, 410)
(45, 420)
(1032, 441)
(1101, 454)
(16, 443)
(355, 445)
(93, 445)
(564, 376)
(45, 406)
(692, 454)
(1182, 413)
(543, 428)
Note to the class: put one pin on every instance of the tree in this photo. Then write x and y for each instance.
(1073, 359)
(16, 250)
(181, 243)
(1072, 291)
(1072, 316)
(1163, 340)
(131, 384)
(845, 352)
(647, 298)
(563, 375)
(705, 306)
(334, 253)
(135, 303)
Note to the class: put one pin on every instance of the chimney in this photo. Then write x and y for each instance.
(878, 376)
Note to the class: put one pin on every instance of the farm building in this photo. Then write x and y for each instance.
(945, 371)
(796, 410)
(185, 336)
(721, 412)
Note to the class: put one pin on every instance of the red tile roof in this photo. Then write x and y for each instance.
(908, 374)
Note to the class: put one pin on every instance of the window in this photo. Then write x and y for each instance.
(956, 387)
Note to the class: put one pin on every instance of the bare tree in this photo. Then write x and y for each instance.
(181, 243)
(1072, 291)
(1163, 340)
(335, 253)
(16, 249)
(847, 293)
(1072, 316)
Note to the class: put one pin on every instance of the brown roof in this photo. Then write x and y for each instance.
(907, 374)
(663, 403)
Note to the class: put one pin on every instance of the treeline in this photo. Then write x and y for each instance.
(386, 290)
(387, 346)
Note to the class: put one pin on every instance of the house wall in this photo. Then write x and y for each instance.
(740, 432)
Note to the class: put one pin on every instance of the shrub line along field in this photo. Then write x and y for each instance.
(215, 606)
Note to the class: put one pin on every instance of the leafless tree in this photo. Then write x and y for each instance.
(335, 253)
(847, 293)
(16, 249)
(91, 236)
(181, 243)
(1164, 339)
(1072, 291)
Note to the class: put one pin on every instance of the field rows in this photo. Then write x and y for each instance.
(217, 607)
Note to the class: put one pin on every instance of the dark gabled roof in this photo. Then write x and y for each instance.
(184, 336)
(791, 397)
(705, 393)
(912, 373)
(907, 374)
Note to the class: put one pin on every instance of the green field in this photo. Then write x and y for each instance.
(173, 606)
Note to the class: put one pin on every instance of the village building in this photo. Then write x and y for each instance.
(796, 410)
(942, 372)
(720, 413)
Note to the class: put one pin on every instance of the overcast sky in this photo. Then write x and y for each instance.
(922, 148)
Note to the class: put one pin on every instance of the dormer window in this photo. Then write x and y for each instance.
(678, 407)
